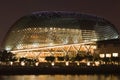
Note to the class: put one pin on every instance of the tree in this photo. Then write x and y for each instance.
(115, 59)
(50, 58)
(6, 56)
(67, 58)
(89, 57)
(79, 57)
(23, 59)
(61, 58)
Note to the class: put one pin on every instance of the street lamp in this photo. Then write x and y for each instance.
(78, 63)
(37, 63)
(22, 63)
(88, 63)
(67, 63)
(11, 63)
(52, 63)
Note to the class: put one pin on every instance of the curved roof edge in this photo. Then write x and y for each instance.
(50, 14)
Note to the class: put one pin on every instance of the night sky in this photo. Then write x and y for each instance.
(11, 10)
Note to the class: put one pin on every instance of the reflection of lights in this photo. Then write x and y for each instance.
(51, 28)
(63, 29)
(108, 55)
(22, 63)
(115, 54)
(52, 63)
(67, 63)
(102, 55)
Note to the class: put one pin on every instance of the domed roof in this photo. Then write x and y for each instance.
(60, 19)
(44, 28)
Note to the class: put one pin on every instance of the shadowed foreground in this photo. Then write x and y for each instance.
(14, 70)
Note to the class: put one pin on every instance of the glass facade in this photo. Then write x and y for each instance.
(57, 32)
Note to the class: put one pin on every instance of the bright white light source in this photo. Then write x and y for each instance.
(115, 54)
(37, 63)
(22, 63)
(11, 63)
(88, 63)
(52, 63)
(51, 28)
(67, 63)
(8, 48)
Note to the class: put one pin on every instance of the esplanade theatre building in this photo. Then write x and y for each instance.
(54, 33)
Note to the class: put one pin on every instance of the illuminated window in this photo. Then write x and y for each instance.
(115, 54)
(108, 55)
(102, 55)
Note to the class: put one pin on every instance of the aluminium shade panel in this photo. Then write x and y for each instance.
(45, 28)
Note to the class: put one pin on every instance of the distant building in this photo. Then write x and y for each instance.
(109, 47)
(45, 33)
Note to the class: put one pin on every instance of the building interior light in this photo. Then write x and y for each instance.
(115, 54)
(108, 55)
(102, 55)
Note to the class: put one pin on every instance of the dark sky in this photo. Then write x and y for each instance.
(11, 10)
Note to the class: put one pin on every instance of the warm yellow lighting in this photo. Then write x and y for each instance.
(35, 44)
(37, 63)
(88, 63)
(115, 54)
(108, 55)
(52, 63)
(19, 46)
(11, 63)
(48, 47)
(78, 63)
(67, 63)
(97, 63)
(102, 55)
(22, 63)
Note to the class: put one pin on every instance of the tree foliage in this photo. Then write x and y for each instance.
(50, 58)
(7, 56)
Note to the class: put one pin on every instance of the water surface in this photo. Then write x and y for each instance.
(60, 77)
